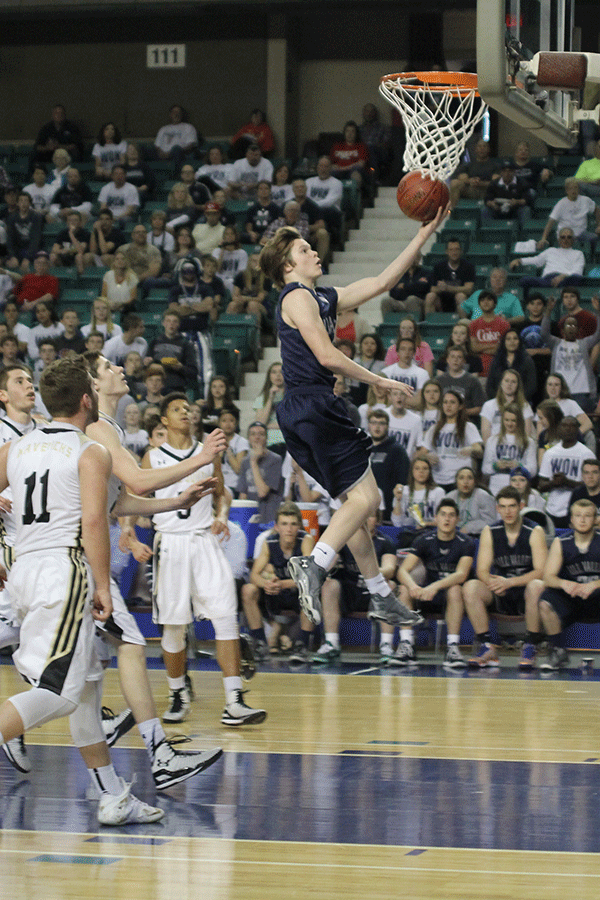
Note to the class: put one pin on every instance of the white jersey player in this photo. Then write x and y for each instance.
(59, 582)
(192, 576)
(169, 766)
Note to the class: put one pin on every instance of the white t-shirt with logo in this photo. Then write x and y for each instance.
(568, 461)
(406, 430)
(413, 375)
(491, 411)
(447, 448)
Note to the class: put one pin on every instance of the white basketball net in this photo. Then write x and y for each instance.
(439, 118)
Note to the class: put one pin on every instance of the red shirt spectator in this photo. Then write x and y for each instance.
(487, 330)
(258, 130)
(350, 154)
(32, 288)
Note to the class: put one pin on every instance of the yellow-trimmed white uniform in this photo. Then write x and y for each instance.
(192, 578)
(50, 582)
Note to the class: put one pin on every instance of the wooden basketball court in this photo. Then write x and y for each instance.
(362, 782)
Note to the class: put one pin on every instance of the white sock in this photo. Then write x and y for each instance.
(323, 555)
(408, 635)
(333, 638)
(378, 585)
(453, 639)
(106, 780)
(175, 684)
(2, 741)
(386, 642)
(152, 734)
(232, 684)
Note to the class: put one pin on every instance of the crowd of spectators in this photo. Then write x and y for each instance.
(515, 384)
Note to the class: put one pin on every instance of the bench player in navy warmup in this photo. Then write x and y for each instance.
(315, 424)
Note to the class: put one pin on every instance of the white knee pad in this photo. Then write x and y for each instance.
(173, 638)
(86, 721)
(38, 706)
(226, 629)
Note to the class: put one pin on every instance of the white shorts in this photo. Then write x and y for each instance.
(120, 625)
(192, 579)
(52, 595)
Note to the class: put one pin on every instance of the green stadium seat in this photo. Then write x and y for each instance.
(388, 332)
(482, 271)
(438, 343)
(351, 200)
(81, 294)
(466, 209)
(567, 165)
(462, 230)
(542, 207)
(244, 332)
(227, 359)
(499, 232)
(494, 253)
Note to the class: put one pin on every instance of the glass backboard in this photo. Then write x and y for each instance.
(510, 32)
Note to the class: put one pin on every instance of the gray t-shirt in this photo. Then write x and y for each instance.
(270, 469)
(468, 385)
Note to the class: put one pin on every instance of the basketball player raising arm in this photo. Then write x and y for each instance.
(306, 318)
(314, 422)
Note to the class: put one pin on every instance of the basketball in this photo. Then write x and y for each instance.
(419, 197)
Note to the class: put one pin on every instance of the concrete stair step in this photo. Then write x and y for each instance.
(253, 382)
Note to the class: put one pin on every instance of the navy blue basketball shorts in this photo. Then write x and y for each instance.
(573, 609)
(511, 603)
(323, 439)
(436, 605)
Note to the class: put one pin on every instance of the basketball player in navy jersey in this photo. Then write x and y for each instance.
(315, 425)
(447, 555)
(572, 582)
(511, 555)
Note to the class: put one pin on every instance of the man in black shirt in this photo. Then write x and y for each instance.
(590, 489)
(260, 214)
(59, 132)
(452, 281)
(319, 238)
(389, 461)
(175, 353)
(447, 555)
(70, 244)
(105, 240)
(75, 196)
(71, 340)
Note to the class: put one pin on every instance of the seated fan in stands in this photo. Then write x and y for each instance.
(440, 111)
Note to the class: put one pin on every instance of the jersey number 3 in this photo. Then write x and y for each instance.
(29, 516)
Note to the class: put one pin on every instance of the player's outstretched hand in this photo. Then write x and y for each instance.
(387, 384)
(427, 228)
(5, 504)
(215, 442)
(102, 606)
(196, 491)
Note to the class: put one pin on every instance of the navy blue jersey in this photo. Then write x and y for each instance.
(299, 364)
(578, 566)
(347, 570)
(510, 561)
(277, 557)
(441, 558)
